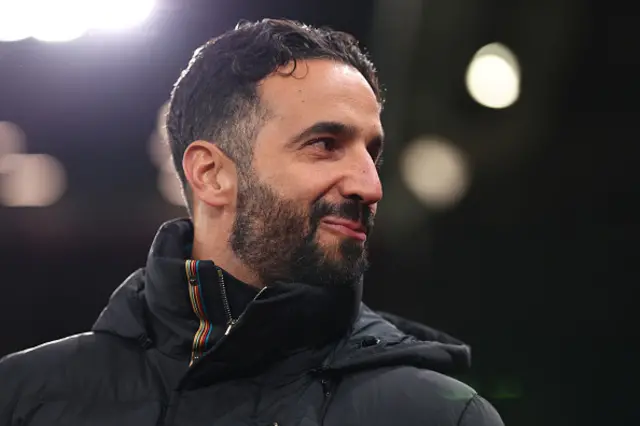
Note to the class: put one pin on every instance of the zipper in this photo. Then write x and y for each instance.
(201, 338)
(225, 301)
(231, 322)
(235, 322)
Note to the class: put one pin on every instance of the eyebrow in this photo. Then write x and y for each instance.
(334, 128)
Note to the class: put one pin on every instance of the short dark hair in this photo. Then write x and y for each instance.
(215, 99)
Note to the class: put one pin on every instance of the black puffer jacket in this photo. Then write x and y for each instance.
(298, 356)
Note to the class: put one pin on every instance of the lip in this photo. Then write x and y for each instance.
(347, 227)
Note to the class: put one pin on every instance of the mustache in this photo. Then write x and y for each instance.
(350, 210)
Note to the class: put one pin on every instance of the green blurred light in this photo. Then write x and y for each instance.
(506, 389)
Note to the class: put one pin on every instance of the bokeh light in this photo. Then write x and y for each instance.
(31, 180)
(119, 14)
(493, 76)
(59, 20)
(159, 150)
(169, 185)
(14, 20)
(435, 171)
(12, 138)
(66, 20)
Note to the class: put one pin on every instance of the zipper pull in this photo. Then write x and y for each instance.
(230, 326)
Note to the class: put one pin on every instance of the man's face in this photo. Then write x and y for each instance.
(305, 209)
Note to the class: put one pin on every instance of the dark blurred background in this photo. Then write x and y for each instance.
(508, 219)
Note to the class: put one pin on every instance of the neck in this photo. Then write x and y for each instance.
(212, 243)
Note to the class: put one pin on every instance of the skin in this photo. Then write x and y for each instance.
(299, 163)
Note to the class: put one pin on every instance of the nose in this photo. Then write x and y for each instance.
(361, 180)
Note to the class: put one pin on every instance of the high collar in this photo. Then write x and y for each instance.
(287, 329)
(185, 304)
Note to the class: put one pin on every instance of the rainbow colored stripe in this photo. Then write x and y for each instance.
(201, 338)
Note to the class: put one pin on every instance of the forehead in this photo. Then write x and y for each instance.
(319, 90)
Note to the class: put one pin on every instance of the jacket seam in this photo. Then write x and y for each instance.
(466, 407)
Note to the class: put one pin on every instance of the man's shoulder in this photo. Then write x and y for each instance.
(468, 408)
(79, 352)
(428, 384)
(63, 370)
(58, 350)
(46, 353)
(413, 394)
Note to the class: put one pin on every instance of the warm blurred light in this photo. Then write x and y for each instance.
(160, 153)
(435, 171)
(493, 76)
(119, 14)
(14, 20)
(169, 185)
(12, 138)
(161, 127)
(31, 180)
(66, 20)
(159, 150)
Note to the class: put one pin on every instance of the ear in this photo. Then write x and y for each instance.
(211, 174)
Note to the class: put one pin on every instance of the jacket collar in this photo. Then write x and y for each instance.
(185, 312)
(288, 326)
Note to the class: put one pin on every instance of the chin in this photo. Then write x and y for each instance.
(331, 246)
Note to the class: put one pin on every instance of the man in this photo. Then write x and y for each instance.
(249, 312)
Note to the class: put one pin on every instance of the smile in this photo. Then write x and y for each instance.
(346, 227)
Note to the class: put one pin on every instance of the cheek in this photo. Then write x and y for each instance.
(300, 183)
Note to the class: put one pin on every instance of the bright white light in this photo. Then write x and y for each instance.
(12, 138)
(14, 20)
(493, 76)
(435, 171)
(119, 14)
(169, 185)
(66, 20)
(60, 20)
(31, 180)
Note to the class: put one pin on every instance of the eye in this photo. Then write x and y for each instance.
(325, 143)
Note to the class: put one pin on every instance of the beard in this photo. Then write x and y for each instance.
(277, 237)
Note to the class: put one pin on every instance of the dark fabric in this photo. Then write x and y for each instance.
(298, 355)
